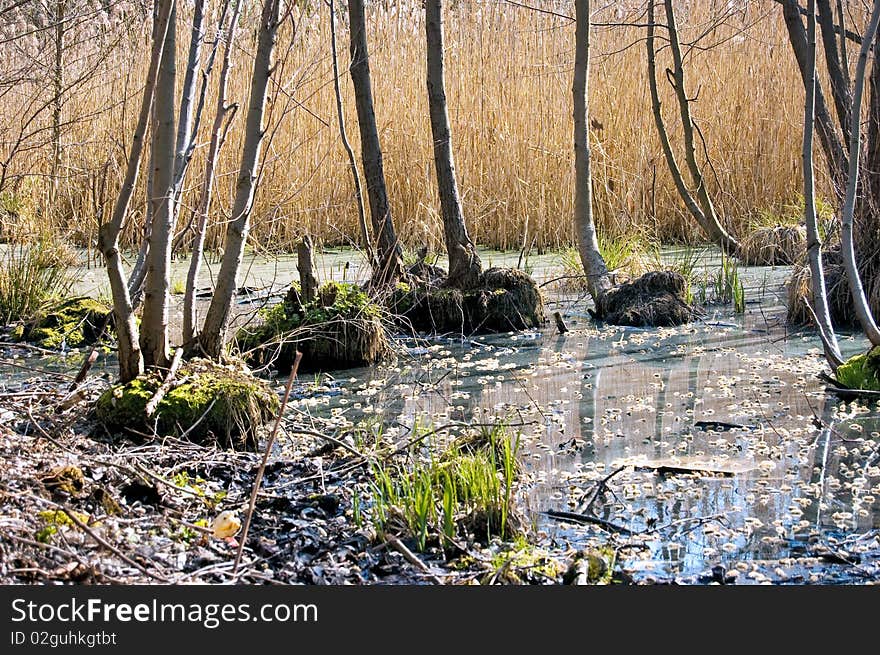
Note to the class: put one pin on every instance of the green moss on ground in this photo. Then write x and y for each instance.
(861, 371)
(341, 328)
(72, 323)
(210, 402)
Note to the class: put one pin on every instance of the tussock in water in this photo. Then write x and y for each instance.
(341, 328)
(777, 245)
(505, 299)
(655, 299)
(839, 296)
(70, 324)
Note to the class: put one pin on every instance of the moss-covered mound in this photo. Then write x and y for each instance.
(208, 402)
(505, 299)
(341, 328)
(655, 299)
(70, 324)
(777, 245)
(861, 371)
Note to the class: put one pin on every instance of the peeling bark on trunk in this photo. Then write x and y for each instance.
(387, 246)
(308, 283)
(465, 266)
(598, 280)
(213, 336)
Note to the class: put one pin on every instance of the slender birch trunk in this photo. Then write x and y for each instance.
(860, 302)
(814, 243)
(157, 284)
(388, 248)
(465, 266)
(130, 360)
(218, 137)
(598, 280)
(213, 336)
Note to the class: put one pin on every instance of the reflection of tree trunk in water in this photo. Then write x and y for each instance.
(658, 411)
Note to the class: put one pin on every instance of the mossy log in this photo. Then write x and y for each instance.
(340, 328)
(504, 300)
(655, 299)
(208, 403)
(72, 323)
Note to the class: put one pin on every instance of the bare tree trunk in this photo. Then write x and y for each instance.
(387, 246)
(832, 146)
(218, 136)
(213, 336)
(464, 262)
(57, 95)
(860, 301)
(130, 360)
(352, 161)
(157, 285)
(185, 130)
(716, 232)
(598, 280)
(814, 243)
(840, 91)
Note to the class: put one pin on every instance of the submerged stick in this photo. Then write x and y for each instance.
(259, 478)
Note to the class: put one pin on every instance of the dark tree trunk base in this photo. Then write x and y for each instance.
(656, 299)
(503, 300)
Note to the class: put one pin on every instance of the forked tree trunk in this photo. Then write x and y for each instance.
(598, 280)
(465, 266)
(388, 247)
(157, 285)
(218, 134)
(860, 302)
(700, 207)
(832, 145)
(129, 353)
(814, 243)
(213, 336)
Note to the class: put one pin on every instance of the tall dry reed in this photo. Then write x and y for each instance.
(509, 76)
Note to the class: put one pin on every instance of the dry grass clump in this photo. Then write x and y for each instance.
(777, 245)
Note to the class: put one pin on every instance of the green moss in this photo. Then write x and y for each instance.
(70, 324)
(53, 519)
(340, 328)
(861, 371)
(224, 402)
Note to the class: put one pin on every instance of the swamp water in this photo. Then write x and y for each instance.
(735, 464)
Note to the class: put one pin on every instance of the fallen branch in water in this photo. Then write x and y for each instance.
(587, 519)
(409, 556)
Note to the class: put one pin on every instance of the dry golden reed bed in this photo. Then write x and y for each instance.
(509, 77)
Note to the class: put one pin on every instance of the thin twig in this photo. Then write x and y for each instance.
(259, 478)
